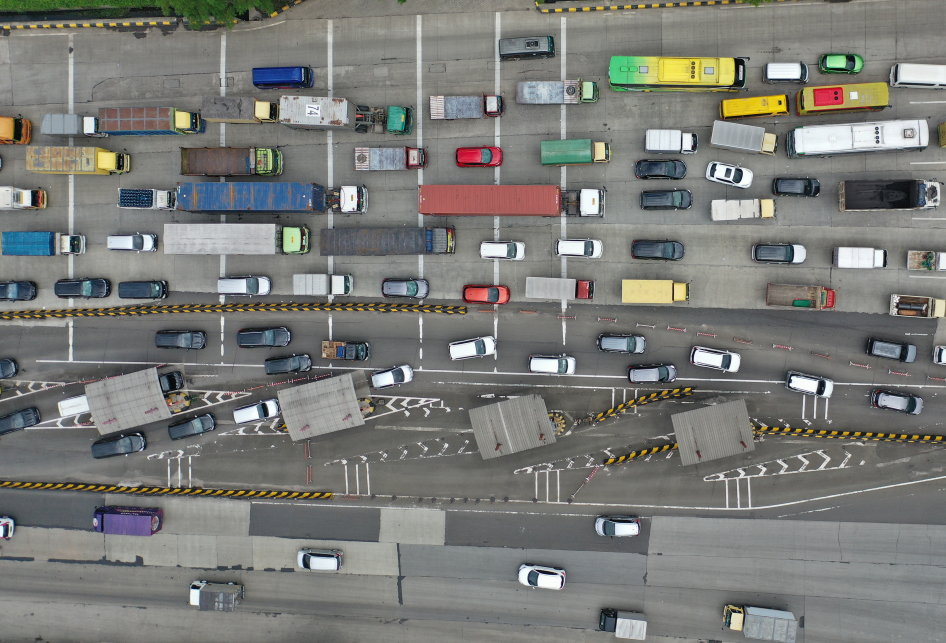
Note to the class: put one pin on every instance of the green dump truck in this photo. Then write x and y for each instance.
(575, 151)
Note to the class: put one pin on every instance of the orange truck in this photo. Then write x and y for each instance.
(15, 130)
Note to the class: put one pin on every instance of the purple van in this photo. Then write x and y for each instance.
(128, 521)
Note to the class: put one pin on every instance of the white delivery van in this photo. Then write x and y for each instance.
(552, 364)
(245, 286)
(256, 412)
(859, 258)
(74, 406)
(132, 242)
(785, 73)
(921, 76)
(670, 141)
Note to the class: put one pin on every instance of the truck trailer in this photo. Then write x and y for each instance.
(450, 108)
(558, 289)
(926, 260)
(346, 199)
(669, 141)
(743, 138)
(556, 92)
(845, 257)
(15, 130)
(235, 239)
(575, 151)
(128, 521)
(761, 624)
(70, 125)
(915, 306)
(811, 297)
(732, 210)
(220, 597)
(321, 285)
(41, 244)
(909, 194)
(390, 158)
(149, 121)
(324, 113)
(75, 160)
(17, 199)
(243, 110)
(653, 291)
(379, 242)
(510, 201)
(231, 161)
(625, 625)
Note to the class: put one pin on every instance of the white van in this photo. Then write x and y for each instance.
(244, 286)
(256, 412)
(132, 242)
(477, 347)
(845, 257)
(552, 364)
(319, 560)
(809, 384)
(74, 406)
(785, 73)
(921, 76)
(514, 250)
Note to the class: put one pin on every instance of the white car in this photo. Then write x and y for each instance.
(589, 248)
(552, 364)
(7, 527)
(939, 355)
(714, 358)
(392, 376)
(541, 576)
(476, 347)
(809, 384)
(738, 177)
(618, 526)
(514, 250)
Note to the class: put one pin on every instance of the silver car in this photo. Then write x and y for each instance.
(392, 376)
(618, 526)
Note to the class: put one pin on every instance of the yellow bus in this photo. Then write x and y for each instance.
(733, 108)
(664, 74)
(857, 97)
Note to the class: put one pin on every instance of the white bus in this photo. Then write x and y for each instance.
(852, 138)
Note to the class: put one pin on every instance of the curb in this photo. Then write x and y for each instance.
(168, 491)
(656, 5)
(285, 8)
(147, 22)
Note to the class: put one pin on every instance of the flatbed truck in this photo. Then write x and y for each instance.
(149, 121)
(811, 297)
(625, 625)
(379, 242)
(390, 158)
(70, 125)
(761, 624)
(238, 110)
(654, 291)
(732, 209)
(449, 108)
(324, 113)
(235, 239)
(219, 597)
(231, 161)
(555, 288)
(743, 138)
(41, 244)
(926, 260)
(917, 306)
(556, 92)
(909, 194)
(46, 159)
(510, 201)
(359, 351)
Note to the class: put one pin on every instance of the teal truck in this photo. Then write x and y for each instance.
(575, 151)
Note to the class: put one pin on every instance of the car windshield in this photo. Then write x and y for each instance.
(479, 347)
(589, 248)
(725, 361)
(485, 155)
(562, 365)
(492, 295)
(737, 176)
(410, 288)
(268, 337)
(609, 528)
(137, 242)
(911, 405)
(397, 375)
(360, 351)
(510, 251)
(86, 289)
(8, 291)
(533, 578)
(678, 199)
(252, 286)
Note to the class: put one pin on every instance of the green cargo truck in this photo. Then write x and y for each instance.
(576, 151)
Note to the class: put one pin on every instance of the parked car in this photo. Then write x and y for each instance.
(890, 349)
(292, 364)
(187, 339)
(617, 526)
(8, 368)
(19, 420)
(476, 347)
(840, 64)
(392, 376)
(485, 294)
(7, 527)
(666, 200)
(796, 187)
(83, 288)
(411, 288)
(170, 382)
(660, 170)
(479, 157)
(626, 344)
(541, 576)
(738, 177)
(194, 426)
(119, 444)
(263, 337)
(939, 355)
(17, 291)
(655, 373)
(132, 242)
(256, 412)
(319, 560)
(513, 250)
(552, 364)
(896, 401)
(779, 253)
(809, 384)
(647, 249)
(588, 248)
(719, 359)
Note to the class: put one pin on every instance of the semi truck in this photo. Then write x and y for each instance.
(47, 159)
(324, 113)
(812, 297)
(235, 239)
(761, 624)
(322, 284)
(576, 151)
(916, 306)
(743, 138)
(70, 125)
(41, 244)
(653, 291)
(231, 161)
(220, 597)
(346, 350)
(926, 260)
(558, 288)
(731, 210)
(17, 199)
(625, 625)
(15, 130)
(245, 110)
(128, 521)
(556, 92)
(845, 257)
(450, 108)
(149, 121)
(510, 200)
(246, 197)
(390, 158)
(909, 194)
(379, 242)
(669, 141)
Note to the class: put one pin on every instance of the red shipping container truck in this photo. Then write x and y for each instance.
(509, 200)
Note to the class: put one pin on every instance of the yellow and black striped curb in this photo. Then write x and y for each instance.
(649, 5)
(133, 311)
(169, 491)
(147, 22)
(638, 454)
(849, 435)
(285, 8)
(644, 399)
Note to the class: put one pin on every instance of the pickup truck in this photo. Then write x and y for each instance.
(449, 108)
(918, 307)
(926, 260)
(556, 92)
(390, 158)
(558, 289)
(813, 297)
(346, 350)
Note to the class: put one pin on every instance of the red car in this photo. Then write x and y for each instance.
(485, 294)
(479, 156)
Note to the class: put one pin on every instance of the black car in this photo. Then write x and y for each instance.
(118, 444)
(796, 187)
(263, 337)
(413, 288)
(652, 374)
(170, 382)
(8, 368)
(291, 364)
(194, 426)
(195, 339)
(646, 249)
(19, 420)
(666, 200)
(660, 170)
(83, 288)
(17, 290)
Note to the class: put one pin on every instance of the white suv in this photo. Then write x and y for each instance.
(808, 384)
(589, 248)
(477, 347)
(514, 250)
(714, 358)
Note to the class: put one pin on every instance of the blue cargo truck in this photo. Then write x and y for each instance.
(41, 244)
(247, 197)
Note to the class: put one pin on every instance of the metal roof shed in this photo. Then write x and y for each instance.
(127, 401)
(324, 406)
(511, 426)
(713, 432)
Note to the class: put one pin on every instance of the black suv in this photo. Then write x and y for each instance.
(17, 290)
(87, 288)
(291, 364)
(263, 337)
(194, 426)
(120, 444)
(796, 187)
(644, 249)
(19, 420)
(180, 339)
(660, 170)
(666, 200)
(170, 382)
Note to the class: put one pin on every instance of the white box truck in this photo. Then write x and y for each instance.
(320, 285)
(846, 257)
(669, 141)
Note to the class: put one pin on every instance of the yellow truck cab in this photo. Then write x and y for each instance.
(15, 130)
(653, 291)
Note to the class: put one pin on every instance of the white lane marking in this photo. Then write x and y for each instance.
(330, 140)
(331, 328)
(927, 162)
(222, 334)
(803, 399)
(926, 277)
(420, 329)
(70, 325)
(826, 408)
(223, 143)
(71, 179)
(927, 102)
(275, 24)
(419, 124)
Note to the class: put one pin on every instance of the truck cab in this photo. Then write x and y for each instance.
(15, 130)
(400, 120)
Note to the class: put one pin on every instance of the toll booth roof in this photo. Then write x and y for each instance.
(324, 406)
(713, 432)
(511, 426)
(127, 401)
